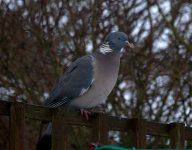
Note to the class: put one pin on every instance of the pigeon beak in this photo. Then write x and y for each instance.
(130, 45)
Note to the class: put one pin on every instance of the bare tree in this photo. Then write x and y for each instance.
(39, 39)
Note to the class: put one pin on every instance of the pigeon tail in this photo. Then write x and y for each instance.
(44, 143)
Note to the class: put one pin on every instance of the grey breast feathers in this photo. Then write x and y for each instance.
(75, 82)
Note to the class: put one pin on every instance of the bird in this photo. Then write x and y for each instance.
(88, 81)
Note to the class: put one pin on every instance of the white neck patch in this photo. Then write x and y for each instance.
(104, 48)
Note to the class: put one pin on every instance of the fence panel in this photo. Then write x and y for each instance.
(17, 124)
(101, 124)
(100, 129)
(138, 127)
(60, 132)
(177, 135)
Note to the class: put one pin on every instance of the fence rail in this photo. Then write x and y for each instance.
(100, 125)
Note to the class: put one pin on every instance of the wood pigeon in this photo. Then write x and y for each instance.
(90, 79)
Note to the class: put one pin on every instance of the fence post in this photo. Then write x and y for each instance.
(100, 130)
(17, 123)
(177, 135)
(60, 136)
(138, 127)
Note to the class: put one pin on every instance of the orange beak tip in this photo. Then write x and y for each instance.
(130, 45)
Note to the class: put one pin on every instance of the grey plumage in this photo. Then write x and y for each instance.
(89, 80)
(104, 78)
(78, 77)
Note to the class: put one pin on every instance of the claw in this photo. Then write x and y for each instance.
(86, 113)
(90, 111)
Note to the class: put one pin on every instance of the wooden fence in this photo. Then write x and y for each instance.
(101, 124)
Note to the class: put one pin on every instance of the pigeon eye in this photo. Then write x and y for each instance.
(119, 38)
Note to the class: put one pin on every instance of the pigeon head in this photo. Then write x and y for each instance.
(115, 41)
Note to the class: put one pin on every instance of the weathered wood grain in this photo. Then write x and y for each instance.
(100, 129)
(157, 129)
(138, 127)
(17, 123)
(60, 132)
(101, 124)
(177, 135)
(188, 133)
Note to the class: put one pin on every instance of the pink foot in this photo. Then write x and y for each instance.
(86, 113)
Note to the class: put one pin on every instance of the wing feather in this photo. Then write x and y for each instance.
(76, 81)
